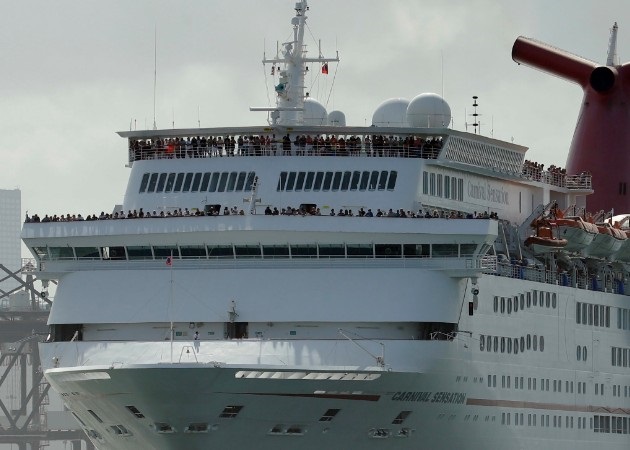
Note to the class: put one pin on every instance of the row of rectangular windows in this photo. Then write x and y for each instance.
(519, 383)
(197, 182)
(519, 420)
(620, 357)
(589, 314)
(611, 424)
(337, 181)
(258, 251)
(509, 303)
(439, 185)
(511, 344)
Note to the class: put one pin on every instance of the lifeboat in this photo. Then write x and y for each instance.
(577, 232)
(608, 241)
(544, 242)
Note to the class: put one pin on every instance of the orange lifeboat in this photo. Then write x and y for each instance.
(608, 241)
(544, 241)
(576, 231)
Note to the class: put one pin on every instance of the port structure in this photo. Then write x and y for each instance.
(23, 415)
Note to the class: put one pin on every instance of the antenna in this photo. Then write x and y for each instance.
(612, 46)
(475, 115)
(154, 73)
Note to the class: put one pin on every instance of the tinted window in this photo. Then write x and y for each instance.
(240, 182)
(327, 181)
(187, 182)
(373, 180)
(318, 181)
(300, 181)
(231, 182)
(170, 182)
(346, 181)
(391, 183)
(290, 181)
(382, 181)
(282, 181)
(205, 181)
(144, 182)
(336, 181)
(223, 181)
(308, 184)
(251, 176)
(178, 182)
(214, 182)
(356, 175)
(196, 182)
(152, 182)
(365, 179)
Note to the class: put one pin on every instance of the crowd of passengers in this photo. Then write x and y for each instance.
(554, 175)
(288, 211)
(299, 145)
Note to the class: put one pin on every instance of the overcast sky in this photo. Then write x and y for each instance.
(74, 73)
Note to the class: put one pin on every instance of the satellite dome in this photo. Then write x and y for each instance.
(428, 111)
(391, 113)
(314, 113)
(337, 119)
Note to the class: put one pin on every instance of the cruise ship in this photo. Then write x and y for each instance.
(308, 284)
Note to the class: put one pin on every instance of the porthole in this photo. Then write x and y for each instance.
(542, 343)
(554, 300)
(482, 341)
(529, 342)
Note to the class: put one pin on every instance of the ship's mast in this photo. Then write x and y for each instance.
(612, 47)
(290, 89)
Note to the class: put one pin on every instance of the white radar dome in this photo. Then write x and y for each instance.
(337, 119)
(314, 113)
(391, 113)
(428, 111)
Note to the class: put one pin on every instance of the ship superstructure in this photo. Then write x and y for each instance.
(317, 286)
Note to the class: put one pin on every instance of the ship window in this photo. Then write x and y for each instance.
(445, 250)
(275, 251)
(356, 175)
(554, 300)
(382, 180)
(509, 345)
(247, 251)
(535, 298)
(542, 343)
(502, 345)
(200, 427)
(416, 250)
(336, 181)
(515, 340)
(460, 189)
(345, 182)
(222, 181)
(522, 344)
(140, 252)
(79, 420)
(178, 182)
(327, 181)
(438, 185)
(596, 315)
(509, 305)
(196, 182)
(496, 304)
(431, 184)
(502, 305)
(319, 176)
(365, 179)
(391, 182)
(144, 182)
(170, 182)
(220, 251)
(548, 300)
(535, 343)
(116, 253)
(135, 411)
(163, 252)
(87, 252)
(447, 186)
(152, 182)
(529, 341)
(300, 181)
(308, 184)
(61, 253)
(468, 249)
(522, 302)
(489, 348)
(359, 250)
(187, 182)
(400, 418)
(290, 181)
(304, 251)
(387, 250)
(214, 182)
(329, 415)
(495, 344)
(230, 412)
(482, 342)
(373, 180)
(425, 183)
(205, 181)
(454, 188)
(251, 177)
(41, 252)
(193, 251)
(529, 299)
(161, 183)
(240, 182)
(332, 251)
(231, 182)
(163, 427)
(93, 414)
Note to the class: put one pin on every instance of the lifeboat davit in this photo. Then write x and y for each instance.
(608, 241)
(544, 242)
(579, 233)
